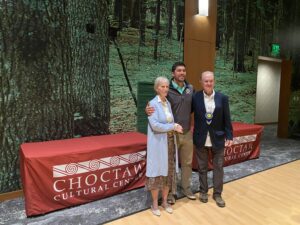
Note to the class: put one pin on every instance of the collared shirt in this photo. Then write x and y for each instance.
(166, 110)
(209, 102)
(178, 88)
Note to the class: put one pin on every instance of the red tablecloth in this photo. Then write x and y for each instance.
(63, 173)
(246, 145)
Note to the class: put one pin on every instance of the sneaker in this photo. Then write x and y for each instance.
(189, 194)
(168, 208)
(171, 199)
(203, 197)
(220, 202)
(155, 212)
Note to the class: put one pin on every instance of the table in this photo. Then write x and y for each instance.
(62, 173)
(246, 145)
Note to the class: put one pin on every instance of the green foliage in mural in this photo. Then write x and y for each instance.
(60, 77)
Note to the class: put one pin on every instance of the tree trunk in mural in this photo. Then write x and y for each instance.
(90, 51)
(142, 25)
(253, 37)
(267, 13)
(286, 27)
(179, 19)
(135, 19)
(118, 12)
(221, 12)
(157, 28)
(228, 29)
(36, 80)
(54, 70)
(246, 26)
(127, 10)
(295, 43)
(170, 7)
(239, 37)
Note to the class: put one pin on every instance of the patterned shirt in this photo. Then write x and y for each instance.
(166, 110)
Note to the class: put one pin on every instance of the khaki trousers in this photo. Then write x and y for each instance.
(185, 151)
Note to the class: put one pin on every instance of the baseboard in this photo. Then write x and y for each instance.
(268, 123)
(11, 195)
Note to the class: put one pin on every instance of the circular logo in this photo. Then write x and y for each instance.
(71, 168)
(114, 161)
(133, 158)
(94, 165)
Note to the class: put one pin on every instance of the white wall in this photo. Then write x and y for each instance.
(267, 90)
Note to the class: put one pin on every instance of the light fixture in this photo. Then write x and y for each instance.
(203, 7)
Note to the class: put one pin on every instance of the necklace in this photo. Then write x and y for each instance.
(209, 114)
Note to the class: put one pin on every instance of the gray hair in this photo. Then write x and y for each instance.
(160, 80)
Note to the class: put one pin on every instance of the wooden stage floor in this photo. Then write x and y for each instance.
(271, 197)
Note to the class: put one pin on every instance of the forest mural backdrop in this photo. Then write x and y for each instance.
(70, 68)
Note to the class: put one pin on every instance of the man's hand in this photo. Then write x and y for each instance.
(149, 109)
(228, 143)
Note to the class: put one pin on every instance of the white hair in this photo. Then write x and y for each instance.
(206, 72)
(160, 80)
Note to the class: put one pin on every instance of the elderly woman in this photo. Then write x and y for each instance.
(160, 170)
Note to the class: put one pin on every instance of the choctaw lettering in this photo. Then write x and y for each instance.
(238, 151)
(96, 182)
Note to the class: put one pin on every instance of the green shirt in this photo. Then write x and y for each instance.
(178, 88)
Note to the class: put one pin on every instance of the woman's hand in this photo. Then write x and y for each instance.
(178, 128)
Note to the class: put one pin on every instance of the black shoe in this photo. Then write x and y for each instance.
(220, 202)
(203, 197)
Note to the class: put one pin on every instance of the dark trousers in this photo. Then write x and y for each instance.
(218, 172)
